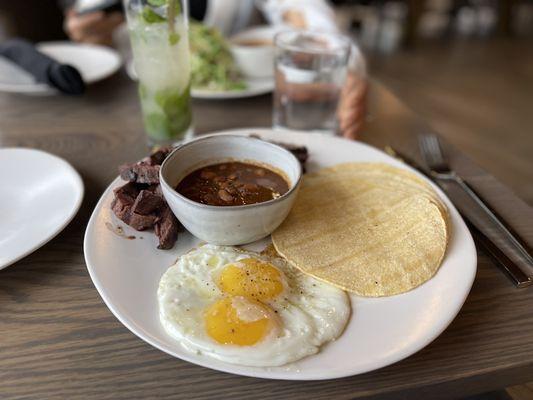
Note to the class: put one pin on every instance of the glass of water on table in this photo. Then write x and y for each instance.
(159, 38)
(310, 70)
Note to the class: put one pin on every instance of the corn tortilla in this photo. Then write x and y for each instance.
(368, 228)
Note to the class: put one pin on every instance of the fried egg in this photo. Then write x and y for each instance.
(245, 308)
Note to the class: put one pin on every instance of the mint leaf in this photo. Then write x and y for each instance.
(151, 17)
(173, 38)
(176, 108)
(157, 126)
(172, 102)
(157, 3)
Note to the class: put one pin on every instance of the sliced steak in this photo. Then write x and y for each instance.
(121, 210)
(125, 197)
(142, 222)
(158, 156)
(155, 189)
(127, 193)
(140, 203)
(140, 173)
(147, 203)
(166, 229)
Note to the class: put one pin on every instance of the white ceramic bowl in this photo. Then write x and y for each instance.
(255, 61)
(228, 225)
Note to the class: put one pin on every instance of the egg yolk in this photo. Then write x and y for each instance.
(251, 278)
(237, 320)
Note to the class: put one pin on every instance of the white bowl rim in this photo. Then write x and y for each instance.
(164, 182)
(255, 32)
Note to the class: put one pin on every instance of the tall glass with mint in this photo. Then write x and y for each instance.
(159, 37)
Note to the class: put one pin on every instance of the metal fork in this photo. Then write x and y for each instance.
(440, 169)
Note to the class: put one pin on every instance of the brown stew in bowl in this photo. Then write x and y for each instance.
(232, 183)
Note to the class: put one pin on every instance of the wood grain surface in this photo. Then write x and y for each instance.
(59, 341)
(477, 93)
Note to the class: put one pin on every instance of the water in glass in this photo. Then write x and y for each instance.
(310, 70)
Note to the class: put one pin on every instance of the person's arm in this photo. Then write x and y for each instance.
(95, 27)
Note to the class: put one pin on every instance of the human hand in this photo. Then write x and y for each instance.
(295, 19)
(352, 105)
(95, 28)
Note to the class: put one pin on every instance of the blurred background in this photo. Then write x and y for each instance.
(466, 66)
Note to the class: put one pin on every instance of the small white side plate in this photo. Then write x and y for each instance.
(93, 62)
(381, 331)
(39, 195)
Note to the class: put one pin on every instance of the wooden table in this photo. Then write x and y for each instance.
(59, 341)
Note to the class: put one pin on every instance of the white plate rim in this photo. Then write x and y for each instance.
(111, 52)
(266, 86)
(69, 217)
(230, 368)
(43, 89)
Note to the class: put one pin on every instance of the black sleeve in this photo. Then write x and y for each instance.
(197, 9)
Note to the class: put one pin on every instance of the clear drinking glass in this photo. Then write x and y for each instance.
(310, 69)
(160, 42)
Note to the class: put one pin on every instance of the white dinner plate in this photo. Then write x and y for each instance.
(39, 195)
(93, 62)
(255, 87)
(381, 331)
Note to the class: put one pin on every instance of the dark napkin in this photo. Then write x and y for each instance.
(63, 77)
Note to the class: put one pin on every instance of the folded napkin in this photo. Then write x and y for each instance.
(63, 77)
